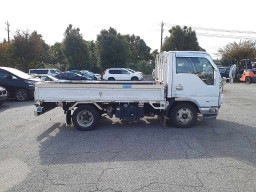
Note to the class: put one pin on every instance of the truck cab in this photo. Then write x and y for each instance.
(191, 77)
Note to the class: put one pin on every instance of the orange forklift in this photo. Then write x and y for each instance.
(246, 71)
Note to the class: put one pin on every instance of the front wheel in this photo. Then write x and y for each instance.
(22, 95)
(111, 79)
(248, 80)
(183, 115)
(135, 79)
(85, 117)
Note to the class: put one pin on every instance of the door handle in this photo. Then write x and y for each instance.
(179, 87)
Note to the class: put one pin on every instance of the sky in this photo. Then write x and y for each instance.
(50, 18)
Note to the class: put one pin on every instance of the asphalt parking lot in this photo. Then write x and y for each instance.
(43, 154)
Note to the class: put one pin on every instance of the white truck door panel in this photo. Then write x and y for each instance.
(195, 79)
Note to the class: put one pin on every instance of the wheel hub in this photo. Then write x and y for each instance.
(85, 118)
(184, 116)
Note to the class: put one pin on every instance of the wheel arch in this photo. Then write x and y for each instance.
(174, 102)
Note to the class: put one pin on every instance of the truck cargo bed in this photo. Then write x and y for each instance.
(99, 91)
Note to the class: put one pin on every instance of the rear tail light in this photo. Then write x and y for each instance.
(104, 72)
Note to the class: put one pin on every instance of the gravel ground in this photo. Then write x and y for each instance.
(43, 154)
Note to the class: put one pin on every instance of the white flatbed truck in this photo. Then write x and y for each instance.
(187, 84)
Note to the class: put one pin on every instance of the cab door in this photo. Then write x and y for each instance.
(196, 78)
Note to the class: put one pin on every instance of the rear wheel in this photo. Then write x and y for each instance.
(111, 79)
(248, 80)
(135, 79)
(22, 95)
(85, 117)
(183, 115)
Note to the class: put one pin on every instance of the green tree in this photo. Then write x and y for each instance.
(93, 57)
(145, 67)
(112, 49)
(57, 55)
(181, 39)
(6, 55)
(28, 50)
(138, 47)
(153, 54)
(75, 49)
(237, 51)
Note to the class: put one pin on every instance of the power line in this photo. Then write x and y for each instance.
(225, 36)
(215, 30)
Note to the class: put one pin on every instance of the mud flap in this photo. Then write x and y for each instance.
(68, 118)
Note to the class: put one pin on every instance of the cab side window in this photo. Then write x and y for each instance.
(184, 65)
(196, 65)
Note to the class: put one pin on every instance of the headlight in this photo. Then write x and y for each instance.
(30, 82)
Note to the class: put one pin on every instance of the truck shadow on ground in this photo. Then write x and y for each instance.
(147, 140)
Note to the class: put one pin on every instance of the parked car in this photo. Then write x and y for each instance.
(89, 74)
(52, 72)
(19, 85)
(224, 71)
(98, 76)
(248, 76)
(131, 70)
(46, 77)
(84, 73)
(71, 76)
(120, 74)
(3, 95)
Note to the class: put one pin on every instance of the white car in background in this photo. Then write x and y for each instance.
(121, 74)
(46, 77)
(52, 72)
(98, 76)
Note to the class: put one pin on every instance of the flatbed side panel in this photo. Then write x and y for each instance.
(110, 86)
(99, 94)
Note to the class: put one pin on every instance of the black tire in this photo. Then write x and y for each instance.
(22, 95)
(135, 79)
(248, 80)
(85, 111)
(111, 79)
(189, 115)
(1, 103)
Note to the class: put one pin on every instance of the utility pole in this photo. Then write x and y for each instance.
(162, 31)
(8, 30)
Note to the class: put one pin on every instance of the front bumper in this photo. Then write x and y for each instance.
(209, 112)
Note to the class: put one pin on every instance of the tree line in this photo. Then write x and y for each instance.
(111, 49)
